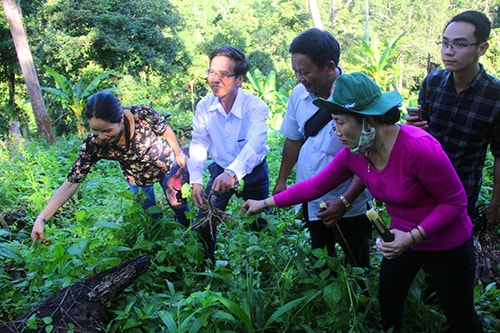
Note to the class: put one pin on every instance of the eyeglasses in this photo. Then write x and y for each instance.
(220, 75)
(456, 46)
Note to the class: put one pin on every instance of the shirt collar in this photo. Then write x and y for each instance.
(448, 78)
(481, 75)
(236, 109)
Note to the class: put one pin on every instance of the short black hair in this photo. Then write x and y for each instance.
(319, 45)
(242, 63)
(481, 23)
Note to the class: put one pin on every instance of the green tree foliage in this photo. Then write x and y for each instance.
(159, 49)
(9, 65)
(74, 96)
(123, 35)
(9, 69)
(263, 283)
(375, 63)
(13, 92)
(262, 29)
(276, 98)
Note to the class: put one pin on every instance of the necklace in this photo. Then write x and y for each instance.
(379, 151)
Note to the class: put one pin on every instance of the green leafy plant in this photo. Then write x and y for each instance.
(74, 96)
(375, 63)
(264, 86)
(271, 281)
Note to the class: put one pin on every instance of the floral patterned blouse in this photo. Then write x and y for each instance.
(148, 158)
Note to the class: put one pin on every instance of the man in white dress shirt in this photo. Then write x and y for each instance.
(229, 126)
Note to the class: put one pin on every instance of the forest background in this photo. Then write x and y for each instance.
(156, 52)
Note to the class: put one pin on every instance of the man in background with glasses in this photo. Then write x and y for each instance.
(229, 125)
(460, 106)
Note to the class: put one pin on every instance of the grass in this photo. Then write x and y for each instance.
(264, 282)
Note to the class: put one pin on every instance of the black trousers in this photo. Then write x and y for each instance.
(451, 273)
(256, 186)
(357, 231)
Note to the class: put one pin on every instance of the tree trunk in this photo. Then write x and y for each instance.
(367, 21)
(333, 16)
(12, 13)
(315, 14)
(81, 305)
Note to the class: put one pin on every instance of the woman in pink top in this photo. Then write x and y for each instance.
(406, 168)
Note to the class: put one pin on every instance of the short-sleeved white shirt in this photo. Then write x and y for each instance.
(317, 151)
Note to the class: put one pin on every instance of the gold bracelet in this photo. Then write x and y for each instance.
(346, 203)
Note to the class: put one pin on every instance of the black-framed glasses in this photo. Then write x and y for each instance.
(220, 75)
(456, 46)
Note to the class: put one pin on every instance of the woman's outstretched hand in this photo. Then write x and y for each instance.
(37, 231)
(252, 207)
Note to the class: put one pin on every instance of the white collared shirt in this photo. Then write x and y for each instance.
(317, 151)
(235, 141)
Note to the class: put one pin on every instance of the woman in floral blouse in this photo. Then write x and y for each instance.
(138, 138)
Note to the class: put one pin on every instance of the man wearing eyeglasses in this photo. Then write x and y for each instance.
(229, 125)
(460, 106)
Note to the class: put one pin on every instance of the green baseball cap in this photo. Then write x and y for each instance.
(358, 93)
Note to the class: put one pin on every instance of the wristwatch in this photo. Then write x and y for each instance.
(230, 173)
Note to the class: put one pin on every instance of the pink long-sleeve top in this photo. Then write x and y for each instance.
(419, 186)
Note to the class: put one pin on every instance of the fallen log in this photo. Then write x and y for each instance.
(80, 306)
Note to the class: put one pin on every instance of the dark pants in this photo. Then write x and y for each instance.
(150, 200)
(452, 276)
(357, 232)
(256, 186)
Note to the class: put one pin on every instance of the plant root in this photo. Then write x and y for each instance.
(214, 216)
